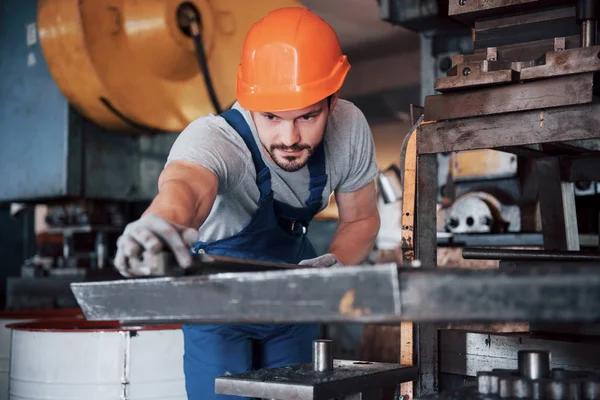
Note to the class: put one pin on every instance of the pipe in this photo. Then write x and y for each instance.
(527, 255)
(588, 33)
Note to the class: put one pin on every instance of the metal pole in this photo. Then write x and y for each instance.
(588, 33)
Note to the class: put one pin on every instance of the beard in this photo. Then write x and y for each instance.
(290, 163)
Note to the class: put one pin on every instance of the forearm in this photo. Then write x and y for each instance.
(353, 241)
(186, 193)
(176, 203)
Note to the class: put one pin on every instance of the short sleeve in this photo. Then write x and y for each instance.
(362, 161)
(211, 143)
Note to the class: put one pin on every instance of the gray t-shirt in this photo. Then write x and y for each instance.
(212, 143)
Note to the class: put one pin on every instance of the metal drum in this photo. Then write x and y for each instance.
(10, 317)
(79, 359)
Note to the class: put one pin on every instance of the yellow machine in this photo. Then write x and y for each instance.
(127, 63)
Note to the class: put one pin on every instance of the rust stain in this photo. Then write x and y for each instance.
(347, 305)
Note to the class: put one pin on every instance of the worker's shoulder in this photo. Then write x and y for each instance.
(347, 116)
(211, 129)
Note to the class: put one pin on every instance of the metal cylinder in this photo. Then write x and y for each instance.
(505, 387)
(537, 389)
(534, 364)
(521, 388)
(557, 390)
(588, 33)
(591, 389)
(322, 355)
(484, 383)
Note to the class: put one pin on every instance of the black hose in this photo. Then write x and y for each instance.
(205, 72)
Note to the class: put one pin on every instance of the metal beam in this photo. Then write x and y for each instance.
(525, 128)
(558, 92)
(363, 294)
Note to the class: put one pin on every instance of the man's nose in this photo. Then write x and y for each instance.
(289, 134)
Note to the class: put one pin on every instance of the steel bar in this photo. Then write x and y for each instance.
(528, 127)
(425, 334)
(558, 92)
(557, 207)
(363, 294)
(588, 33)
(525, 255)
(300, 382)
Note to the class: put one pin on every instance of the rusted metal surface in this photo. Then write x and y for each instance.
(565, 62)
(491, 68)
(563, 91)
(425, 335)
(477, 164)
(300, 382)
(476, 74)
(409, 181)
(516, 129)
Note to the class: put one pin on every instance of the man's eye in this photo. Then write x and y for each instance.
(270, 117)
(307, 117)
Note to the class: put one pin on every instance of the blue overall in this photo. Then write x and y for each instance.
(276, 232)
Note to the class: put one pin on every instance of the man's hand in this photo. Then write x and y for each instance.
(324, 261)
(149, 236)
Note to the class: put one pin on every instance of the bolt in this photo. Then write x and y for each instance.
(462, 2)
(467, 71)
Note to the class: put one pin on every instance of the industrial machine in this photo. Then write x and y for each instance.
(93, 95)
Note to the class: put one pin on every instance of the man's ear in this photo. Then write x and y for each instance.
(333, 100)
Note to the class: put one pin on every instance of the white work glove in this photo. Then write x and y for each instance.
(147, 237)
(324, 261)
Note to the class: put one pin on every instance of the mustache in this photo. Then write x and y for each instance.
(294, 147)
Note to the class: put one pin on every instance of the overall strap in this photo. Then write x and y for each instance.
(318, 177)
(263, 175)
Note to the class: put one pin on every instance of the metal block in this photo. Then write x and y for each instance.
(529, 27)
(300, 382)
(466, 353)
(476, 74)
(492, 131)
(565, 62)
(563, 91)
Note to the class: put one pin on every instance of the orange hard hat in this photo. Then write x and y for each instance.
(291, 59)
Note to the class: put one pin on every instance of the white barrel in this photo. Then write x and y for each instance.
(91, 360)
(10, 317)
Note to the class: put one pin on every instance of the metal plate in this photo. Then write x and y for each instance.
(470, 10)
(564, 91)
(300, 382)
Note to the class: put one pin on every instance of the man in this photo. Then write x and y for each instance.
(247, 183)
